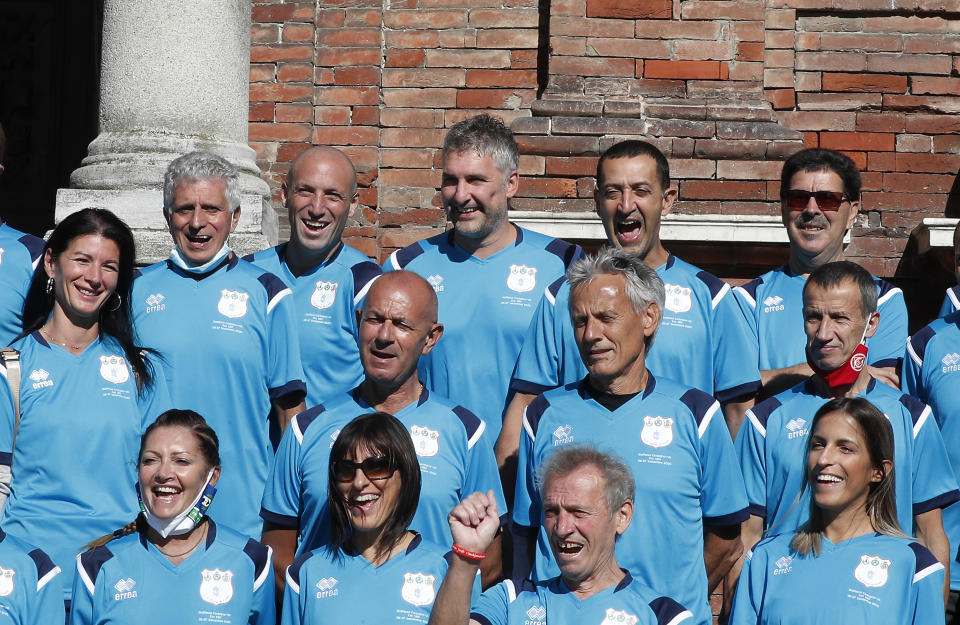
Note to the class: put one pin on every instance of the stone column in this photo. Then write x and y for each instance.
(174, 78)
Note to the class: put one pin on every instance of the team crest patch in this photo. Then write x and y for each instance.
(425, 440)
(522, 278)
(619, 617)
(418, 589)
(216, 587)
(657, 431)
(324, 295)
(233, 304)
(6, 581)
(872, 571)
(114, 369)
(677, 298)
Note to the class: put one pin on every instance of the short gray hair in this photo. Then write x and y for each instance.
(484, 135)
(619, 484)
(643, 285)
(200, 165)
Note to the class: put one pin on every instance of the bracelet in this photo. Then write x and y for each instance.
(466, 553)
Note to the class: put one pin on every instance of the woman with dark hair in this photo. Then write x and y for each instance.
(173, 559)
(86, 391)
(850, 562)
(374, 488)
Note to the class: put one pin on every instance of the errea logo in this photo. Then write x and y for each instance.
(436, 281)
(773, 304)
(951, 362)
(325, 588)
(41, 379)
(124, 588)
(536, 615)
(795, 427)
(155, 302)
(563, 435)
(783, 565)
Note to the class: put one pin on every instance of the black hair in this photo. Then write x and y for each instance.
(632, 149)
(207, 439)
(822, 159)
(838, 273)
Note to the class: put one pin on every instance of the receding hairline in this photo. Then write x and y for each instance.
(318, 151)
(410, 283)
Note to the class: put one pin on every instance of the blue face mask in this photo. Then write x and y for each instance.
(186, 520)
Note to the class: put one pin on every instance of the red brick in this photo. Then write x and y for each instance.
(523, 59)
(347, 57)
(839, 101)
(547, 187)
(299, 112)
(493, 98)
(722, 190)
(295, 72)
(703, 50)
(419, 18)
(439, 98)
(859, 159)
(363, 17)
(909, 63)
(332, 115)
(827, 61)
(864, 82)
(508, 38)
(933, 163)
(348, 95)
(632, 48)
(748, 170)
(468, 58)
(330, 18)
(558, 146)
(412, 137)
(746, 71)
(261, 73)
(501, 78)
(398, 238)
(429, 178)
(261, 112)
(708, 70)
(781, 78)
(418, 39)
(914, 143)
(404, 58)
(781, 99)
(682, 30)
(917, 183)
(412, 216)
(278, 132)
(279, 93)
(718, 9)
(265, 33)
(653, 9)
(356, 76)
(909, 24)
(691, 168)
(936, 86)
(786, 40)
(806, 42)
(898, 201)
(856, 141)
(297, 33)
(406, 158)
(778, 58)
(346, 135)
(498, 18)
(780, 19)
(933, 44)
(588, 27)
(273, 12)
(322, 76)
(811, 139)
(571, 165)
(280, 52)
(411, 118)
(458, 38)
(592, 66)
(349, 37)
(819, 120)
(749, 51)
(366, 115)
(424, 77)
(289, 151)
(946, 144)
(919, 103)
(861, 41)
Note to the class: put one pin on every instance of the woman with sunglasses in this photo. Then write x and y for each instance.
(173, 564)
(851, 561)
(373, 569)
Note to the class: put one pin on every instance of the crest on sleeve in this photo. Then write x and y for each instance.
(872, 571)
(678, 298)
(522, 278)
(425, 440)
(233, 304)
(657, 431)
(114, 369)
(217, 586)
(6, 581)
(619, 617)
(324, 295)
(418, 589)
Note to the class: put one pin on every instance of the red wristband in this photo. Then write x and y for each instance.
(466, 553)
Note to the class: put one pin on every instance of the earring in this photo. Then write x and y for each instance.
(49, 286)
(119, 303)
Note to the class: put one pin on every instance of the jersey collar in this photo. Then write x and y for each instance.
(229, 261)
(211, 535)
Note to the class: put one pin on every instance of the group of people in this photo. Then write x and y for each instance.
(493, 427)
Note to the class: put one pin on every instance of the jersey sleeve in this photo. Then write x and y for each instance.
(364, 275)
(751, 452)
(748, 601)
(745, 297)
(7, 416)
(293, 601)
(284, 371)
(482, 473)
(492, 607)
(46, 604)
(263, 608)
(538, 364)
(82, 610)
(526, 502)
(926, 591)
(934, 484)
(735, 352)
(723, 499)
(155, 400)
(886, 345)
(281, 503)
(951, 302)
(911, 377)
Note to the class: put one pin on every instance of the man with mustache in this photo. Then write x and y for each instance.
(820, 198)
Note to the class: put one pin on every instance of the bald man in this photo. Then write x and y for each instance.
(398, 325)
(328, 279)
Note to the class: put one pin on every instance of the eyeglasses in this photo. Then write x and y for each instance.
(374, 467)
(797, 199)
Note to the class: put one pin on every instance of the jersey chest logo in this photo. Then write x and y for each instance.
(657, 431)
(436, 281)
(418, 589)
(774, 303)
(619, 617)
(114, 369)
(324, 295)
(6, 581)
(522, 278)
(678, 298)
(872, 571)
(951, 362)
(216, 587)
(425, 440)
(233, 304)
(125, 589)
(537, 615)
(40, 379)
(155, 303)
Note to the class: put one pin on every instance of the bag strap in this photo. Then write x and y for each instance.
(11, 359)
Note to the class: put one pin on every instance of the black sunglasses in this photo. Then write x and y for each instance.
(374, 467)
(797, 199)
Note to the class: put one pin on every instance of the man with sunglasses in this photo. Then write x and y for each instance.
(820, 199)
(397, 325)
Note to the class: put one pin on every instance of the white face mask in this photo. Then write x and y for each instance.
(184, 263)
(186, 520)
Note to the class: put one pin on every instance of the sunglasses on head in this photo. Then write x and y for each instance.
(797, 199)
(374, 467)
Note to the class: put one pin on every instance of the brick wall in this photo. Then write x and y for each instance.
(726, 88)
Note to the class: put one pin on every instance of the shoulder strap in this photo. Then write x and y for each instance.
(11, 359)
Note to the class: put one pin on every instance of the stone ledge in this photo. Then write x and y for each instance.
(936, 232)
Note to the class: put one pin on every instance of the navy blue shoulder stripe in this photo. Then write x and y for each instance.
(248, 258)
(33, 244)
(764, 409)
(666, 609)
(260, 556)
(294, 569)
(714, 283)
(568, 252)
(555, 286)
(919, 341)
(43, 562)
(305, 418)
(752, 286)
(363, 273)
(407, 254)
(272, 284)
(698, 402)
(884, 286)
(535, 410)
(923, 556)
(137, 273)
(93, 560)
(914, 405)
(471, 422)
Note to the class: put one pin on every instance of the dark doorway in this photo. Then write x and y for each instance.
(49, 70)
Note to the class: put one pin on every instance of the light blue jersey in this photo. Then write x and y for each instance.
(931, 372)
(679, 448)
(873, 579)
(702, 341)
(75, 462)
(773, 307)
(19, 255)
(326, 300)
(30, 585)
(230, 345)
(455, 454)
(485, 307)
(342, 587)
(552, 603)
(228, 580)
(951, 302)
(772, 446)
